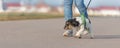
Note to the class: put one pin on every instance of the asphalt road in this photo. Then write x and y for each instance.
(47, 33)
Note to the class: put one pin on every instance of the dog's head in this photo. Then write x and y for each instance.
(71, 23)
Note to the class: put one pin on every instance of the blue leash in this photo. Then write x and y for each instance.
(88, 4)
(83, 17)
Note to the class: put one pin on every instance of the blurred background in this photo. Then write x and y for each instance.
(55, 7)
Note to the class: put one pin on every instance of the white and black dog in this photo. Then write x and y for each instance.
(82, 29)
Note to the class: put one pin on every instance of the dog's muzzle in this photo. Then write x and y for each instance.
(68, 27)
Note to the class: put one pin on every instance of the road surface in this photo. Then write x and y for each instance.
(47, 33)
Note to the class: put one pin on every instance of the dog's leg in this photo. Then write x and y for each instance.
(85, 32)
(79, 32)
(68, 33)
(77, 28)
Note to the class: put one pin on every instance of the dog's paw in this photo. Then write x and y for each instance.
(78, 37)
(65, 35)
(91, 38)
(85, 32)
(68, 33)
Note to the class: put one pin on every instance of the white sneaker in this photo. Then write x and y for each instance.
(68, 33)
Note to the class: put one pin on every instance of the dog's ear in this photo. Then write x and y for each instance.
(75, 23)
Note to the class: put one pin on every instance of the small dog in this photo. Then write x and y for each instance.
(82, 29)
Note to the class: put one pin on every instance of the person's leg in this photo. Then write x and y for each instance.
(81, 7)
(68, 9)
(68, 15)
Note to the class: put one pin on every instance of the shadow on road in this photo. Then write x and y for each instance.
(107, 37)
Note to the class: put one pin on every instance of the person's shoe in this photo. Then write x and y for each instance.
(68, 33)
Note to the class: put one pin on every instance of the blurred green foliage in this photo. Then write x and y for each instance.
(26, 16)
